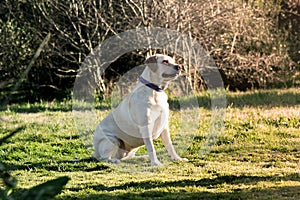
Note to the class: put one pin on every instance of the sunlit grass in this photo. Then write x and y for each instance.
(256, 156)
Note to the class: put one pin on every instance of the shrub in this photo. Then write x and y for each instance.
(254, 43)
(245, 41)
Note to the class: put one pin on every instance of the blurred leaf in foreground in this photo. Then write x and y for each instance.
(47, 190)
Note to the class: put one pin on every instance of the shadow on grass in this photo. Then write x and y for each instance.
(40, 107)
(87, 165)
(260, 98)
(208, 183)
(265, 98)
(291, 193)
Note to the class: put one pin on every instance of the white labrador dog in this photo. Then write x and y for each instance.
(141, 117)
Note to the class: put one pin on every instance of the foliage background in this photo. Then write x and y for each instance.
(255, 43)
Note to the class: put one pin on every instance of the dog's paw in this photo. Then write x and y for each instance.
(156, 163)
(184, 160)
(114, 160)
(181, 159)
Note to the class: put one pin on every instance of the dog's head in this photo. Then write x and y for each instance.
(164, 66)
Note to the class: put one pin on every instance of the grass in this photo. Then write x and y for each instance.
(257, 154)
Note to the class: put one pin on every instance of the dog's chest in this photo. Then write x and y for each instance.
(161, 99)
(159, 103)
(162, 113)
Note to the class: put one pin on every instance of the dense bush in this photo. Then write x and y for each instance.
(254, 43)
(248, 44)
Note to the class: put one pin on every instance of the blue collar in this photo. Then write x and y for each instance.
(151, 85)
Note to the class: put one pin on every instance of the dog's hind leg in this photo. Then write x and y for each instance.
(107, 148)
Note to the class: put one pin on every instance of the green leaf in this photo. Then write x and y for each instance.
(8, 180)
(47, 190)
(3, 195)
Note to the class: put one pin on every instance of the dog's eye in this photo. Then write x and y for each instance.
(165, 62)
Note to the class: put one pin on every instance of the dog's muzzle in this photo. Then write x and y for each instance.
(164, 75)
(176, 68)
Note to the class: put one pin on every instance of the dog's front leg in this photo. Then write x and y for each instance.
(166, 139)
(146, 133)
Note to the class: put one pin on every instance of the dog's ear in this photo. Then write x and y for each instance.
(152, 62)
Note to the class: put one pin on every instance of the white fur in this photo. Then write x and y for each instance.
(140, 118)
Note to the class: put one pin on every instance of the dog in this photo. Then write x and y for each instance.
(141, 117)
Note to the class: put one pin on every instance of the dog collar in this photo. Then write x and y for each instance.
(151, 85)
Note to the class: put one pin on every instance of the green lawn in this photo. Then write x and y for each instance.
(257, 155)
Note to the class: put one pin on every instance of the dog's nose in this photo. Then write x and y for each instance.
(177, 67)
